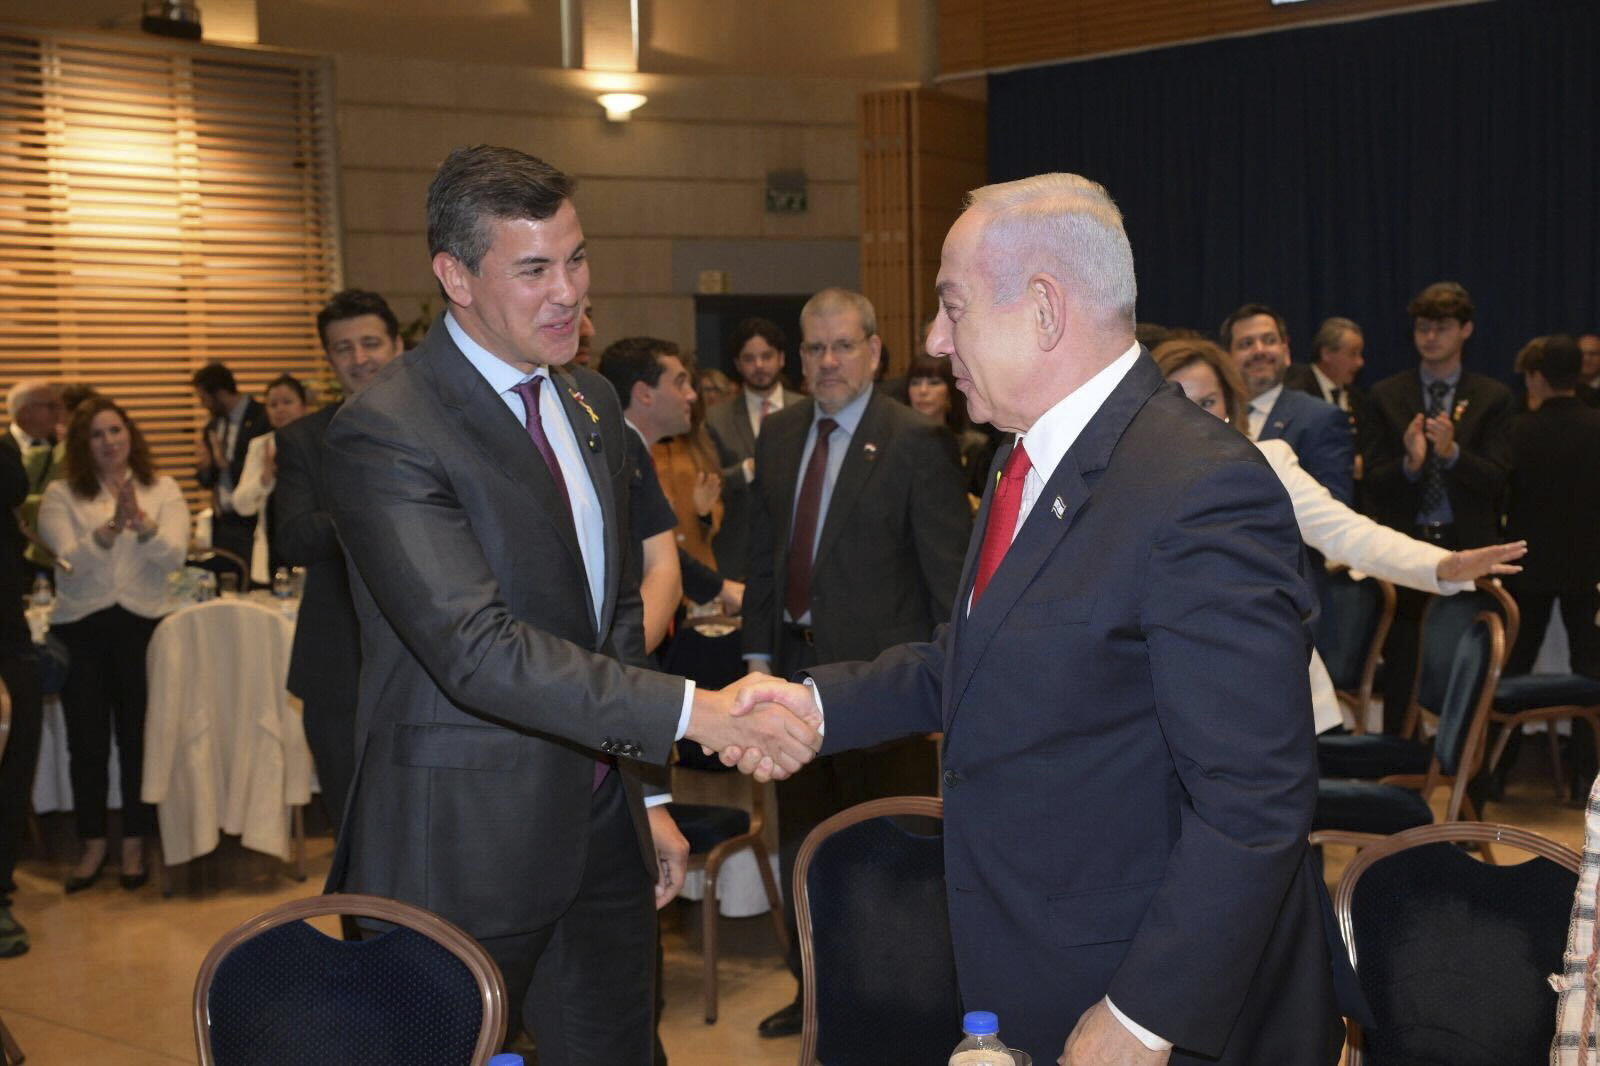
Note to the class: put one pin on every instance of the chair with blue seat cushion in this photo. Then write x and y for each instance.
(715, 833)
(1399, 800)
(1355, 620)
(277, 992)
(878, 966)
(1452, 953)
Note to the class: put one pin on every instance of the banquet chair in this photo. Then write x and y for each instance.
(878, 968)
(1397, 801)
(219, 559)
(275, 991)
(1355, 621)
(1453, 953)
(715, 833)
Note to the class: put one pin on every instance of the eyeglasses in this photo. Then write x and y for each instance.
(842, 349)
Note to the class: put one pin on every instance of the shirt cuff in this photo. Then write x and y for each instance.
(683, 715)
(1140, 1033)
(816, 697)
(658, 800)
(1450, 463)
(757, 657)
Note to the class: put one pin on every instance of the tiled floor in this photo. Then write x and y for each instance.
(110, 976)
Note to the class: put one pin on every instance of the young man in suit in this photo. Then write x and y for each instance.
(234, 422)
(1258, 340)
(1437, 459)
(1129, 772)
(859, 524)
(480, 489)
(360, 335)
(758, 346)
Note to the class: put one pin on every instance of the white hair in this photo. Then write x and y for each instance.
(22, 393)
(1063, 225)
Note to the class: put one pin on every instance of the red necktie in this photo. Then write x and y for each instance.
(802, 541)
(532, 419)
(1003, 511)
(766, 409)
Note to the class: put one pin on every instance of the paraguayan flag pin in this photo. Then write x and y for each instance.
(1058, 508)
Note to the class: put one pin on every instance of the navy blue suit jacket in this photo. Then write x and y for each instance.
(1129, 764)
(1320, 435)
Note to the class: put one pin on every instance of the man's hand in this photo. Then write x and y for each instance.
(672, 854)
(1416, 442)
(1441, 433)
(269, 461)
(1100, 1040)
(202, 450)
(214, 443)
(720, 722)
(758, 690)
(1481, 562)
(731, 597)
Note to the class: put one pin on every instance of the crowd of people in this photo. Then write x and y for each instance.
(536, 606)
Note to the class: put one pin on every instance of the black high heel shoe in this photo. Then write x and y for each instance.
(74, 883)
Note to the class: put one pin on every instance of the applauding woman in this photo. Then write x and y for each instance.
(120, 530)
(285, 402)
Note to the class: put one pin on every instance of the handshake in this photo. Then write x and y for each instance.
(764, 726)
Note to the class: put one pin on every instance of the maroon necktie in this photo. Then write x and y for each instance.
(1003, 511)
(529, 391)
(802, 541)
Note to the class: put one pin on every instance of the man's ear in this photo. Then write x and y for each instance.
(452, 274)
(1047, 303)
(1466, 331)
(640, 395)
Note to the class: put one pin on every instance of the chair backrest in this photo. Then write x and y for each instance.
(875, 950)
(1355, 619)
(276, 992)
(1468, 690)
(214, 558)
(1453, 953)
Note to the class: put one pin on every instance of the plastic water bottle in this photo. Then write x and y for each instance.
(42, 594)
(506, 1058)
(282, 587)
(982, 1046)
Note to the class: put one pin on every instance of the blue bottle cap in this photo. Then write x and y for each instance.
(506, 1058)
(979, 1023)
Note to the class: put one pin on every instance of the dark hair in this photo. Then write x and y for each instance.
(1561, 363)
(1225, 331)
(764, 328)
(82, 477)
(74, 393)
(353, 303)
(634, 359)
(1173, 355)
(1442, 299)
(482, 183)
(288, 381)
(214, 377)
(923, 365)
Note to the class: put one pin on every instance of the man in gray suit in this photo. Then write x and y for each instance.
(758, 347)
(360, 336)
(480, 489)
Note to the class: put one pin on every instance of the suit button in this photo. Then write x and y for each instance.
(951, 779)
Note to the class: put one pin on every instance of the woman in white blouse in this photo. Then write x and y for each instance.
(285, 402)
(122, 530)
(1207, 377)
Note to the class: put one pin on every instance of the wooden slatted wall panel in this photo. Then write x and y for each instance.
(921, 151)
(993, 34)
(162, 206)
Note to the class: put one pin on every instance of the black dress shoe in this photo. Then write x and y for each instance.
(785, 1022)
(133, 882)
(74, 883)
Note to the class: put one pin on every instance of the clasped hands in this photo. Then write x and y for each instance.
(766, 727)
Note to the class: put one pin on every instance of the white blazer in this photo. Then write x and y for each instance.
(131, 574)
(1356, 541)
(250, 497)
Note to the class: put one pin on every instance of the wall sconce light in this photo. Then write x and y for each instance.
(171, 18)
(621, 106)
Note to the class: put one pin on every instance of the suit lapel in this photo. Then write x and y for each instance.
(488, 424)
(586, 428)
(1052, 517)
(860, 460)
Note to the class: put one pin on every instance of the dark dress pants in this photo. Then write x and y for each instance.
(585, 985)
(105, 690)
(330, 725)
(19, 668)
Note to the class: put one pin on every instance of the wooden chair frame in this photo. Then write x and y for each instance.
(491, 985)
(923, 806)
(198, 554)
(1482, 833)
(1357, 701)
(710, 915)
(1510, 621)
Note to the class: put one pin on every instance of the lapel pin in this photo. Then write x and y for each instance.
(594, 442)
(1461, 407)
(1278, 424)
(1059, 509)
(870, 450)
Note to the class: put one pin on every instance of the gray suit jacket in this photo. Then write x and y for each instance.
(729, 425)
(487, 688)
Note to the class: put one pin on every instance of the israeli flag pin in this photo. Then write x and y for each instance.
(1058, 508)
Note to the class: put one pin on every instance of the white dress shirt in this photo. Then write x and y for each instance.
(1260, 408)
(25, 442)
(130, 574)
(753, 402)
(586, 514)
(1326, 384)
(231, 423)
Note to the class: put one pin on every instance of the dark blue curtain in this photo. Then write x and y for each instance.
(1336, 170)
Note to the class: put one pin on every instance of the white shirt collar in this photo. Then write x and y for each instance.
(1048, 439)
(1324, 382)
(23, 440)
(1264, 402)
(501, 375)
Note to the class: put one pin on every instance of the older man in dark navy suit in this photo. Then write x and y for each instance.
(1129, 770)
